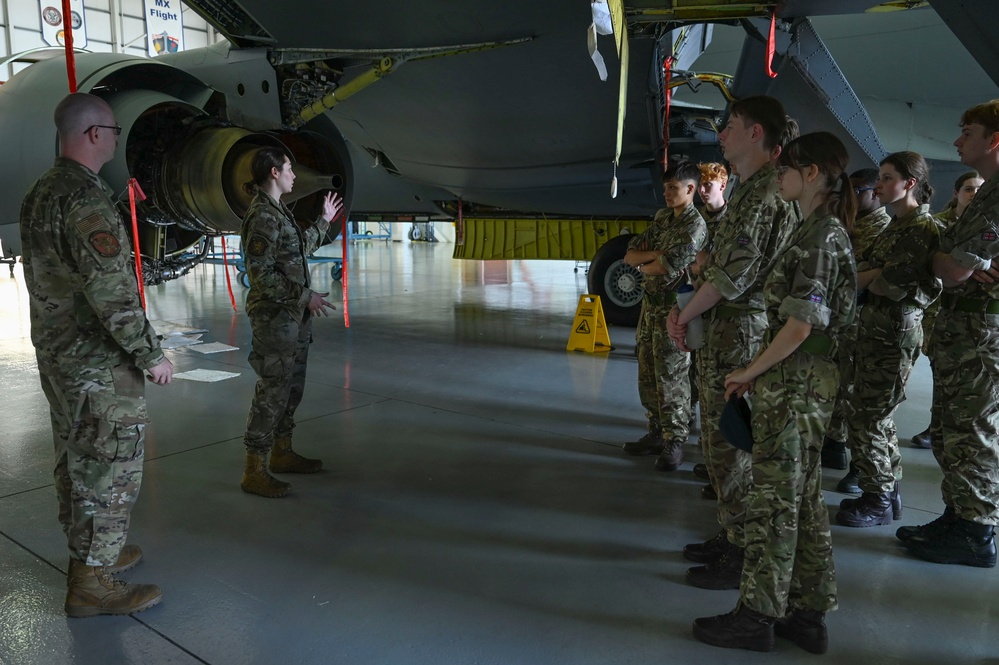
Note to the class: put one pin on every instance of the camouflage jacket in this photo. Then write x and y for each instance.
(865, 231)
(973, 240)
(679, 239)
(945, 218)
(752, 233)
(711, 219)
(84, 300)
(815, 279)
(275, 251)
(904, 252)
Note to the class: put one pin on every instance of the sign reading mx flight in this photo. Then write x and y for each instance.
(164, 26)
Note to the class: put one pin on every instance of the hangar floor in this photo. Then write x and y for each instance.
(476, 507)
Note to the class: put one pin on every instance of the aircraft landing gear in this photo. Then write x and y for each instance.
(618, 284)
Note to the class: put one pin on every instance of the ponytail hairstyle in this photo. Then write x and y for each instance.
(961, 179)
(824, 150)
(264, 160)
(912, 165)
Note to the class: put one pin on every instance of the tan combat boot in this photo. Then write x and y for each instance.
(286, 460)
(256, 480)
(128, 558)
(93, 591)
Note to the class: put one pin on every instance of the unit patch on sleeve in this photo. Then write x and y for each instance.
(105, 243)
(989, 236)
(257, 246)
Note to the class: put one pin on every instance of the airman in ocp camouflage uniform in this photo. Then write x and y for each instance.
(901, 285)
(663, 254)
(92, 342)
(280, 306)
(752, 233)
(966, 341)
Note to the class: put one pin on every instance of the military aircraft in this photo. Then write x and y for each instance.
(484, 110)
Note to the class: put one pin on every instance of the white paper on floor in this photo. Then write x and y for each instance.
(205, 375)
(214, 347)
(177, 341)
(166, 328)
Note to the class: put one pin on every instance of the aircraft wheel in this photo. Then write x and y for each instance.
(618, 284)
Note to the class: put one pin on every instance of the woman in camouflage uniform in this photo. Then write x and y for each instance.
(900, 284)
(788, 582)
(280, 306)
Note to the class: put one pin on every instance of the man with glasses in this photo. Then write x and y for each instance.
(872, 218)
(93, 344)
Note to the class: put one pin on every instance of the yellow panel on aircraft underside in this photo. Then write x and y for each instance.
(701, 10)
(572, 239)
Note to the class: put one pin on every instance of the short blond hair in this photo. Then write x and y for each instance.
(713, 171)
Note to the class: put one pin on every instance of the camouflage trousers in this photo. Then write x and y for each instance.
(730, 342)
(887, 346)
(789, 559)
(279, 356)
(98, 426)
(966, 440)
(663, 383)
(692, 380)
(847, 343)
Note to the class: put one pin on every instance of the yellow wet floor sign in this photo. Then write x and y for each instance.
(589, 329)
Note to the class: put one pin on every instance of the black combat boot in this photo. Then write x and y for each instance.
(725, 572)
(923, 439)
(850, 484)
(833, 454)
(671, 457)
(806, 628)
(871, 509)
(650, 444)
(701, 472)
(708, 551)
(928, 530)
(708, 492)
(895, 496)
(965, 543)
(741, 628)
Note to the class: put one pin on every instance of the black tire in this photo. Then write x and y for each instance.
(618, 284)
(243, 278)
(336, 272)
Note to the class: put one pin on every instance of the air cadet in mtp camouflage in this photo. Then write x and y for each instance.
(965, 188)
(662, 254)
(872, 219)
(93, 343)
(788, 581)
(280, 306)
(966, 345)
(751, 234)
(901, 285)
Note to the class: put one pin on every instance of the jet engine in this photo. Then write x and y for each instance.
(188, 142)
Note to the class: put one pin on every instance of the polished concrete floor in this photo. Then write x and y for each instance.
(475, 508)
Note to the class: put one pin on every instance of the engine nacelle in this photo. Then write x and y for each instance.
(177, 140)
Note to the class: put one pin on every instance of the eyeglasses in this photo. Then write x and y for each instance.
(860, 190)
(114, 128)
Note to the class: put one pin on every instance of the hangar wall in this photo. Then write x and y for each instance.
(115, 26)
